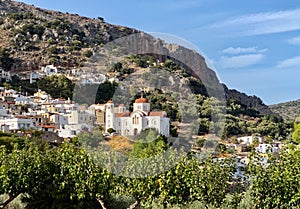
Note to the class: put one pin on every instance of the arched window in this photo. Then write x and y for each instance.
(135, 120)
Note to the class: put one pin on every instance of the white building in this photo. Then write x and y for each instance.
(17, 123)
(71, 130)
(21, 100)
(92, 78)
(59, 119)
(265, 148)
(249, 139)
(132, 123)
(49, 70)
(33, 77)
(5, 75)
(73, 122)
(80, 117)
(3, 111)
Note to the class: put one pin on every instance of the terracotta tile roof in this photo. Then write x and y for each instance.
(141, 100)
(48, 126)
(157, 114)
(125, 114)
(22, 116)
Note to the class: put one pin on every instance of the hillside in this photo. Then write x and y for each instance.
(287, 110)
(35, 37)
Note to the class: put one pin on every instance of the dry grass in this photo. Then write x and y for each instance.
(120, 144)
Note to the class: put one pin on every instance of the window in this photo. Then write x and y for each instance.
(135, 120)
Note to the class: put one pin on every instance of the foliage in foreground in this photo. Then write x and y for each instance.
(277, 185)
(67, 177)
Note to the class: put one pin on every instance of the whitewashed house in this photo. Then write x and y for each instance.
(5, 75)
(22, 100)
(59, 119)
(73, 122)
(265, 148)
(71, 130)
(249, 139)
(18, 122)
(49, 70)
(33, 77)
(80, 117)
(3, 111)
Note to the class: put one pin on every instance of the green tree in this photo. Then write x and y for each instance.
(296, 133)
(64, 177)
(276, 184)
(91, 139)
(105, 91)
(6, 62)
(149, 144)
(57, 86)
(189, 180)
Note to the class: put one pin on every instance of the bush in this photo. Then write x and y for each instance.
(111, 130)
(88, 53)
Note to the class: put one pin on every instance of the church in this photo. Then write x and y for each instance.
(132, 123)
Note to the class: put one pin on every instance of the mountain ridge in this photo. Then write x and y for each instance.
(289, 111)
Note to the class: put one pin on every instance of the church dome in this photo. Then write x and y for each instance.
(141, 100)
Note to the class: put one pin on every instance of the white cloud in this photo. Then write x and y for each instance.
(263, 23)
(240, 61)
(240, 50)
(294, 41)
(290, 63)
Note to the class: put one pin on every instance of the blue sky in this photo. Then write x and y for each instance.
(254, 46)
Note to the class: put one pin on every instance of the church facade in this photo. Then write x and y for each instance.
(132, 123)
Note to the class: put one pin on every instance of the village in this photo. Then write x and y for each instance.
(63, 119)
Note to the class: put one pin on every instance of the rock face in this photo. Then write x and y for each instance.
(197, 65)
(36, 37)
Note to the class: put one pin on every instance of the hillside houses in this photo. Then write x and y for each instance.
(67, 119)
(5, 75)
(41, 112)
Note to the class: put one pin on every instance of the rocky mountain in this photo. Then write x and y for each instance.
(287, 110)
(35, 37)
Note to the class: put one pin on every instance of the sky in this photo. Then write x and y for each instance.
(253, 46)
